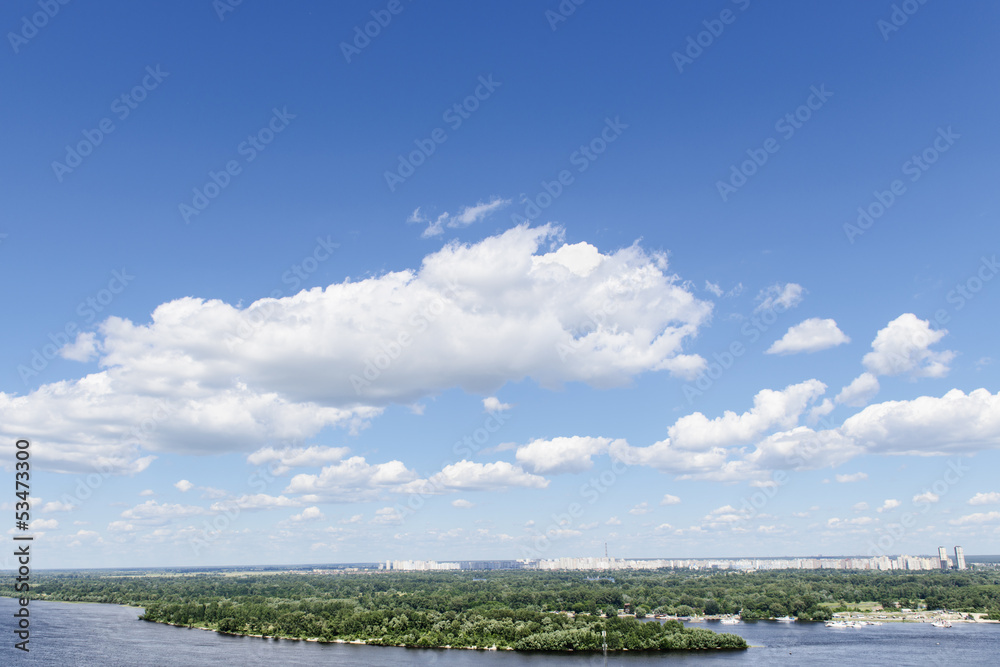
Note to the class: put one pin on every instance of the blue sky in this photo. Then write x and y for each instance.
(500, 281)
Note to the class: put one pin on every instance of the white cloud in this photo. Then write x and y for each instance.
(700, 447)
(309, 514)
(819, 411)
(811, 335)
(780, 297)
(889, 504)
(44, 524)
(357, 518)
(713, 288)
(860, 507)
(859, 392)
(926, 497)
(207, 377)
(954, 423)
(985, 498)
(57, 506)
(83, 349)
(613, 521)
(857, 521)
(564, 454)
(462, 503)
(297, 457)
(771, 409)
(154, 513)
(255, 501)
(978, 517)
(641, 508)
(184, 486)
(387, 515)
(467, 216)
(466, 475)
(670, 500)
(147, 492)
(493, 404)
(854, 477)
(343, 479)
(903, 347)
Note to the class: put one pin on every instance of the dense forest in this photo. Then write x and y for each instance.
(510, 609)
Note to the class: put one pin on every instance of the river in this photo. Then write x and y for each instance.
(65, 634)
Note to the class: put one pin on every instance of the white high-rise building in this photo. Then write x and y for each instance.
(959, 558)
(943, 557)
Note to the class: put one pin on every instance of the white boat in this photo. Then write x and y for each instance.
(836, 624)
(786, 619)
(941, 624)
(730, 621)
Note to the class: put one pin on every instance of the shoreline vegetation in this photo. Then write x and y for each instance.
(517, 610)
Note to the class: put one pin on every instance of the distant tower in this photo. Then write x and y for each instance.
(959, 558)
(943, 558)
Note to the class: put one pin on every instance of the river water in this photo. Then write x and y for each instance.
(64, 634)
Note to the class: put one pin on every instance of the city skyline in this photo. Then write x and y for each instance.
(345, 282)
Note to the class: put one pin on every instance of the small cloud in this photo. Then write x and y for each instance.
(670, 500)
(811, 335)
(641, 508)
(985, 498)
(613, 521)
(983, 362)
(860, 507)
(855, 477)
(465, 217)
(926, 497)
(309, 514)
(147, 492)
(357, 518)
(184, 486)
(889, 504)
(462, 503)
(780, 297)
(83, 349)
(713, 288)
(801, 515)
(493, 404)
(861, 390)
